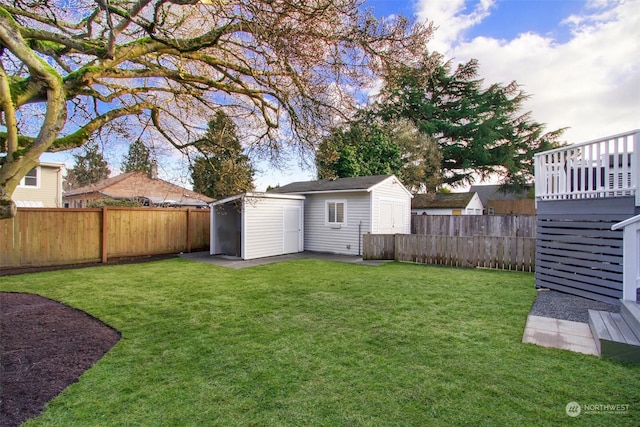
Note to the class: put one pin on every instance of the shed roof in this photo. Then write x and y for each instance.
(358, 183)
(441, 200)
(495, 192)
(253, 195)
(139, 185)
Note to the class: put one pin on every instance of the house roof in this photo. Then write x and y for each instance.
(358, 183)
(52, 165)
(441, 200)
(256, 196)
(139, 185)
(494, 192)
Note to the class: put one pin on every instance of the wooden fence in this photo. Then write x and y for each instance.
(500, 252)
(474, 225)
(45, 237)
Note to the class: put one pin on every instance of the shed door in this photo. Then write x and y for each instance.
(292, 230)
(392, 216)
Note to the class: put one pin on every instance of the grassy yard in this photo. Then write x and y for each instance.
(322, 344)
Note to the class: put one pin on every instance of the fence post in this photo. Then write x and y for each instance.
(188, 230)
(105, 230)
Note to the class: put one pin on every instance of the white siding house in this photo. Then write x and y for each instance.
(447, 204)
(320, 216)
(257, 225)
(41, 187)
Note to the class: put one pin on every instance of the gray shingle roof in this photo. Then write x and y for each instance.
(358, 183)
(441, 200)
(493, 192)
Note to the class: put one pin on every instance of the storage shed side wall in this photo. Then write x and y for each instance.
(264, 225)
(320, 237)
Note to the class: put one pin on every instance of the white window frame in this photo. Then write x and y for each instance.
(23, 181)
(336, 202)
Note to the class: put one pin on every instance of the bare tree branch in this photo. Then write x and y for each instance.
(283, 69)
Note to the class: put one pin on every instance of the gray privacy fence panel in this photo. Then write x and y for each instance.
(474, 225)
(576, 250)
(500, 252)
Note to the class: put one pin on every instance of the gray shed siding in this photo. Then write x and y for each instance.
(576, 250)
(320, 237)
(263, 232)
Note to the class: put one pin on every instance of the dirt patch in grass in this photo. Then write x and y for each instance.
(44, 347)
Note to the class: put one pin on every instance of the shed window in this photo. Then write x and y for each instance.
(30, 179)
(336, 212)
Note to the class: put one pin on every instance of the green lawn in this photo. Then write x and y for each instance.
(316, 343)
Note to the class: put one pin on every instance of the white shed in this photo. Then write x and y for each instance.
(338, 212)
(257, 225)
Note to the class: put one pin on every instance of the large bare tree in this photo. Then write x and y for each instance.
(282, 69)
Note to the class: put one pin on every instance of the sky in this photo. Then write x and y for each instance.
(578, 60)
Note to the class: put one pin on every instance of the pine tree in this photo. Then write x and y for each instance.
(137, 159)
(221, 169)
(89, 168)
(480, 130)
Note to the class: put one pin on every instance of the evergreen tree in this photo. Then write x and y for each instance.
(368, 147)
(479, 131)
(221, 169)
(137, 159)
(89, 167)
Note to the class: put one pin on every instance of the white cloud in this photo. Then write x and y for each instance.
(591, 83)
(451, 18)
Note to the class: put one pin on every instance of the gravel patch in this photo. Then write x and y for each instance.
(559, 305)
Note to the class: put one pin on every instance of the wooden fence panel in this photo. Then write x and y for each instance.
(37, 237)
(199, 225)
(378, 246)
(43, 237)
(499, 252)
(474, 225)
(147, 231)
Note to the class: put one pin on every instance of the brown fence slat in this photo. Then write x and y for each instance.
(43, 237)
(499, 252)
(474, 225)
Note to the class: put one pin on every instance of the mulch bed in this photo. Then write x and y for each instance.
(44, 346)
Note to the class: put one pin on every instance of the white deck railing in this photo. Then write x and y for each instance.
(604, 167)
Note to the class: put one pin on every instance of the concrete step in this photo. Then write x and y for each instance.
(614, 337)
(631, 312)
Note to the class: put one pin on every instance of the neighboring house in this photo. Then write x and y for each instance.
(136, 186)
(446, 204)
(499, 202)
(41, 187)
(320, 216)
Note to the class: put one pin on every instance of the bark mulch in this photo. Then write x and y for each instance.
(44, 346)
